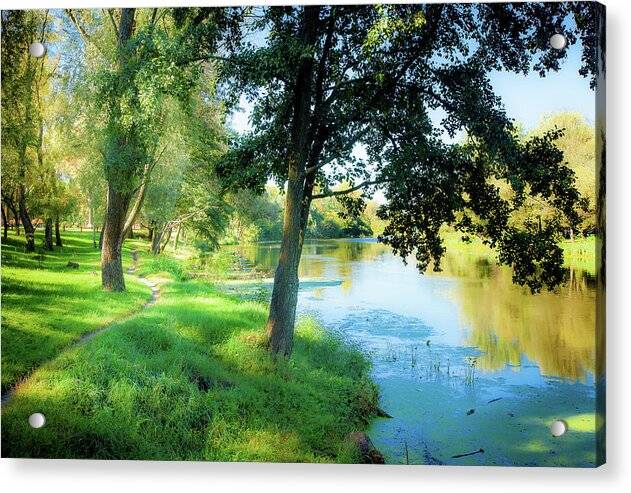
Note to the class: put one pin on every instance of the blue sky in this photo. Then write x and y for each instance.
(529, 98)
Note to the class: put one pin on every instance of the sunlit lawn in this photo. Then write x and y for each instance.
(187, 379)
(46, 306)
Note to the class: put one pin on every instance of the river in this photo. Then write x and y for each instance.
(466, 362)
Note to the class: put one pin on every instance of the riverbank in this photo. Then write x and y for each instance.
(187, 379)
(459, 354)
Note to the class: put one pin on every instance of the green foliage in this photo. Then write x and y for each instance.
(326, 82)
(259, 217)
(578, 145)
(255, 217)
(330, 219)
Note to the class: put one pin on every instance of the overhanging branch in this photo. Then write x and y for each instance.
(335, 193)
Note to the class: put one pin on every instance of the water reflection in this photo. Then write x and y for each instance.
(554, 330)
(463, 339)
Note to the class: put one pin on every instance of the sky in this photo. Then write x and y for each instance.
(528, 98)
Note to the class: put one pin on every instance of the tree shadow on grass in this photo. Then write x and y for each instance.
(191, 380)
(44, 312)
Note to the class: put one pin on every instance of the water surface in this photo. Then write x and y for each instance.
(465, 360)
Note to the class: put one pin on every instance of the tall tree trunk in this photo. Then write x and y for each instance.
(140, 197)
(92, 224)
(156, 240)
(112, 277)
(118, 199)
(5, 224)
(58, 241)
(164, 244)
(16, 220)
(151, 228)
(48, 234)
(29, 230)
(282, 312)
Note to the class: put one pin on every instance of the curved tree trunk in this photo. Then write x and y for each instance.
(177, 237)
(156, 239)
(48, 234)
(164, 244)
(58, 241)
(29, 230)
(112, 277)
(16, 220)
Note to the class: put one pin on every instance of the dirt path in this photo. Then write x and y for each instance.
(155, 295)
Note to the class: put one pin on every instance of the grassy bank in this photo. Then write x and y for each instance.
(47, 306)
(188, 379)
(578, 253)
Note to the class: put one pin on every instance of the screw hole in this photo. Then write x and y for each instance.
(558, 428)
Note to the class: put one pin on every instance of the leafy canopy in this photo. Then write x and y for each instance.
(377, 78)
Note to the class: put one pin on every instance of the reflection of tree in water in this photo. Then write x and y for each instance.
(316, 256)
(555, 330)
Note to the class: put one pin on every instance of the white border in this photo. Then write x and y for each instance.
(48, 476)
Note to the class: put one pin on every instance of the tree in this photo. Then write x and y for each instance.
(24, 79)
(578, 146)
(327, 80)
(184, 193)
(142, 60)
(255, 217)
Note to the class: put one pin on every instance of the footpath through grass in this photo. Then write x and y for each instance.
(190, 379)
(47, 306)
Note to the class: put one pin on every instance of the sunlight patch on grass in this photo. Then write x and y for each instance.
(582, 423)
(191, 379)
(46, 306)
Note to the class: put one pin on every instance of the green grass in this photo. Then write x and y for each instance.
(46, 306)
(191, 379)
(579, 253)
(163, 264)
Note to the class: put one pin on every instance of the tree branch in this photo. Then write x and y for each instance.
(335, 193)
(111, 16)
(142, 190)
(84, 34)
(87, 39)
